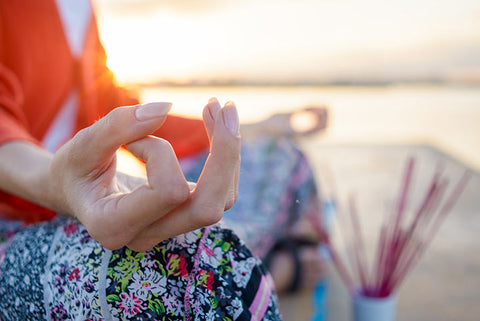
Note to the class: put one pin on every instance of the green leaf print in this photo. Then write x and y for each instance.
(124, 283)
(161, 268)
(139, 256)
(214, 302)
(113, 298)
(224, 261)
(156, 306)
(226, 246)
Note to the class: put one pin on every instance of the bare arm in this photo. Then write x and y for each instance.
(24, 171)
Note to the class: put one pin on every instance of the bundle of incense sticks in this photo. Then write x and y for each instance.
(401, 243)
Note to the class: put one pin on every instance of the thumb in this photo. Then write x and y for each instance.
(98, 143)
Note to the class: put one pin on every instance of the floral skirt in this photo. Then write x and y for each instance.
(56, 271)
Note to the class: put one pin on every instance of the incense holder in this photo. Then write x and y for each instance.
(374, 309)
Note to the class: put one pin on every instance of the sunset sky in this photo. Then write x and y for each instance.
(291, 40)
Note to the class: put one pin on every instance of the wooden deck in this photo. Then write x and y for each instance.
(445, 285)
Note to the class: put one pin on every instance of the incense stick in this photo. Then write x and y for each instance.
(399, 247)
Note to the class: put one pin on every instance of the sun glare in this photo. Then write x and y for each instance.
(290, 40)
(144, 49)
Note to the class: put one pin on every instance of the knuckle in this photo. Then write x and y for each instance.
(160, 149)
(110, 241)
(176, 193)
(207, 214)
(111, 121)
(115, 114)
(83, 135)
(74, 150)
(111, 236)
(163, 146)
(111, 245)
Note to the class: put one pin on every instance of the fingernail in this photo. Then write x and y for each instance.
(152, 110)
(213, 107)
(230, 118)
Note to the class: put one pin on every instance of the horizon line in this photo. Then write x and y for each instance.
(305, 83)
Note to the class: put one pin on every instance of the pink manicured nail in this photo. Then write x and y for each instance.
(152, 110)
(230, 118)
(213, 107)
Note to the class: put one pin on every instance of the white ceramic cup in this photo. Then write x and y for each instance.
(374, 309)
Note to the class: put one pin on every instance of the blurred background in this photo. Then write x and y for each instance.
(402, 71)
(399, 77)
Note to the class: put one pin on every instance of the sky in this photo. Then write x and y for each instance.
(291, 41)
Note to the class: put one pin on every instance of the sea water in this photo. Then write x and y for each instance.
(445, 117)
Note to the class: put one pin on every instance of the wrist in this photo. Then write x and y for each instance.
(44, 184)
(24, 171)
(55, 192)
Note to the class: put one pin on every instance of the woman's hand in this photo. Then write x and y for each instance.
(84, 180)
(282, 124)
(217, 187)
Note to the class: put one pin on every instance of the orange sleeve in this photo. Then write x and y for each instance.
(12, 119)
(12, 128)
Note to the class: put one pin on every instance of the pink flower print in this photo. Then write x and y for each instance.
(177, 265)
(88, 286)
(205, 278)
(213, 257)
(209, 281)
(74, 274)
(209, 251)
(58, 312)
(130, 304)
(70, 229)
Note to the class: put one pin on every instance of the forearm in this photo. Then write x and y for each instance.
(25, 172)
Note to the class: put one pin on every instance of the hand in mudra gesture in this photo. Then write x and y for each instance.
(87, 187)
(315, 119)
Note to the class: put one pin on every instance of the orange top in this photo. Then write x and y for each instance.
(38, 71)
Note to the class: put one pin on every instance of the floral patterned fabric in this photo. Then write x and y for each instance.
(8, 229)
(21, 288)
(219, 284)
(202, 275)
(72, 274)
